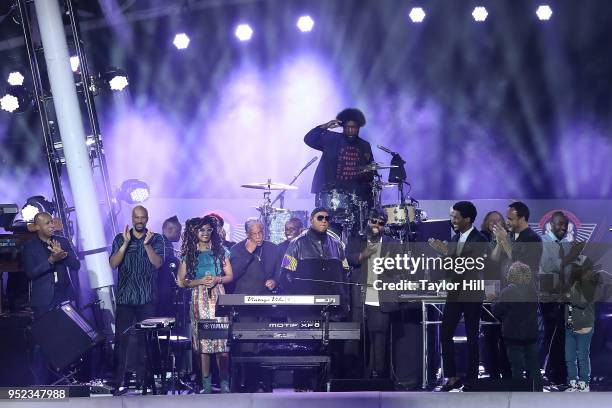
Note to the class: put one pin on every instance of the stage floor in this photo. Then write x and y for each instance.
(337, 400)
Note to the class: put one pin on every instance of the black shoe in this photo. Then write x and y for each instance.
(448, 386)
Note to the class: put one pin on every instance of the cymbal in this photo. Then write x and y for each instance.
(272, 209)
(269, 186)
(375, 166)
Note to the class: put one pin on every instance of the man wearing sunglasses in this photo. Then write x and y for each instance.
(316, 255)
(369, 305)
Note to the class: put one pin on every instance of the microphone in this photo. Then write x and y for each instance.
(386, 149)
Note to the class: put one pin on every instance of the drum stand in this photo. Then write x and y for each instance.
(265, 211)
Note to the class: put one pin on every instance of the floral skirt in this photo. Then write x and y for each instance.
(203, 302)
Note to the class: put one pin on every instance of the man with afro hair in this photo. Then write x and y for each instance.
(343, 154)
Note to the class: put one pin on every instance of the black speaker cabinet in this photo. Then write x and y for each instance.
(64, 336)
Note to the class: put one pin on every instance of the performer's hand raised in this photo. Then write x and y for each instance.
(126, 235)
(501, 235)
(148, 238)
(332, 124)
(439, 246)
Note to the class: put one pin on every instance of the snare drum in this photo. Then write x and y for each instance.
(398, 215)
(336, 201)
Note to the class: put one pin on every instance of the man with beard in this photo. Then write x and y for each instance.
(360, 253)
(137, 253)
(467, 242)
(557, 254)
(343, 155)
(518, 242)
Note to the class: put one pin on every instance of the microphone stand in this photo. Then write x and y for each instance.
(281, 194)
(362, 291)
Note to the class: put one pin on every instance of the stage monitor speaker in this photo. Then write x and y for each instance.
(498, 384)
(64, 336)
(349, 385)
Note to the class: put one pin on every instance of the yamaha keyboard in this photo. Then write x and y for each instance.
(310, 330)
(269, 331)
(278, 300)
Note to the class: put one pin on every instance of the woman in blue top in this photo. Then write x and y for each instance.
(205, 268)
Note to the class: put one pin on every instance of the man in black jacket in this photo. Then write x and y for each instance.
(343, 155)
(314, 257)
(255, 262)
(360, 253)
(47, 259)
(467, 243)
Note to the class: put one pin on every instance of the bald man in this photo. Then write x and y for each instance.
(47, 260)
(137, 253)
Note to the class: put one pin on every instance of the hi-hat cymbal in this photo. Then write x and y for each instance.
(384, 184)
(375, 166)
(269, 186)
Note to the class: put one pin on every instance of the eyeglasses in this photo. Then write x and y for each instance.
(205, 230)
(377, 222)
(323, 217)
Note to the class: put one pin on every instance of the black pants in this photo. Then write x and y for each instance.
(552, 348)
(495, 357)
(377, 324)
(450, 320)
(524, 357)
(127, 316)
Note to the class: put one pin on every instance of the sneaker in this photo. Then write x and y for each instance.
(572, 386)
(206, 385)
(583, 386)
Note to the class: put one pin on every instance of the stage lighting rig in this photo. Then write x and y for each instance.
(15, 99)
(133, 191)
(181, 41)
(35, 205)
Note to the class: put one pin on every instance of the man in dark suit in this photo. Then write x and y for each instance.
(47, 259)
(467, 243)
(378, 305)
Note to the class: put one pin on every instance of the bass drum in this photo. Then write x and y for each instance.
(278, 220)
(398, 215)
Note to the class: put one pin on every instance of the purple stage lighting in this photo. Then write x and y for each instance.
(15, 99)
(544, 12)
(244, 32)
(74, 63)
(9, 103)
(181, 41)
(305, 24)
(133, 191)
(15, 78)
(480, 14)
(417, 15)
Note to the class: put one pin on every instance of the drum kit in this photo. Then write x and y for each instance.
(348, 209)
